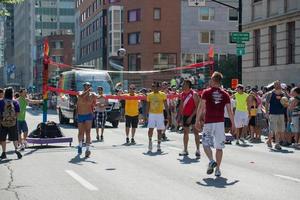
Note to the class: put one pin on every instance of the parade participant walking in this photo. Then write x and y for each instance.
(166, 112)
(9, 110)
(156, 101)
(85, 104)
(295, 118)
(22, 124)
(188, 107)
(131, 114)
(252, 111)
(275, 113)
(211, 110)
(101, 114)
(241, 117)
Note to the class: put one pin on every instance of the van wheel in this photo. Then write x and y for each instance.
(115, 124)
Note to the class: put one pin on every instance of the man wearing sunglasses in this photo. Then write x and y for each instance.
(156, 101)
(85, 105)
(131, 114)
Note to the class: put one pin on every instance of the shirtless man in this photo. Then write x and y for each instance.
(85, 105)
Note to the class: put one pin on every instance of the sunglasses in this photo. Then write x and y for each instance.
(132, 88)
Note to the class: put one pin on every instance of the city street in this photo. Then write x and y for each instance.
(118, 171)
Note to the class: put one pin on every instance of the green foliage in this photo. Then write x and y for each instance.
(229, 70)
(3, 11)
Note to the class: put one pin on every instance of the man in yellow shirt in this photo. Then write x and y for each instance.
(131, 114)
(156, 102)
(241, 117)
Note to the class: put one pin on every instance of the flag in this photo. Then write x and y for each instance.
(46, 48)
(211, 52)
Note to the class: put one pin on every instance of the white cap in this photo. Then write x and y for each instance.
(283, 86)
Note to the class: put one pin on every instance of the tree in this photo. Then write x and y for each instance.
(3, 11)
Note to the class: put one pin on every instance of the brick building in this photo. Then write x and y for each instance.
(61, 51)
(146, 29)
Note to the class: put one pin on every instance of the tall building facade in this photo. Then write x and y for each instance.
(273, 51)
(148, 30)
(34, 19)
(2, 46)
(208, 26)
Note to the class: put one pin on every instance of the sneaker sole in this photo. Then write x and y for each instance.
(211, 170)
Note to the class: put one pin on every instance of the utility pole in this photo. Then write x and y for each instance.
(239, 9)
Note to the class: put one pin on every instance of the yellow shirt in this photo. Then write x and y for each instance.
(241, 102)
(131, 107)
(156, 102)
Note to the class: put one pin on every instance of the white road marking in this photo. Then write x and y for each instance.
(175, 148)
(287, 177)
(82, 181)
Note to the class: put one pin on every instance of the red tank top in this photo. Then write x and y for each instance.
(188, 103)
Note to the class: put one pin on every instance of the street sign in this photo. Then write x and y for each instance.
(240, 36)
(240, 51)
(240, 45)
(196, 3)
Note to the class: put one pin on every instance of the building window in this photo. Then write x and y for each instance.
(134, 38)
(207, 37)
(257, 9)
(272, 7)
(164, 60)
(134, 62)
(156, 37)
(272, 42)
(134, 15)
(206, 13)
(291, 42)
(156, 14)
(233, 14)
(256, 48)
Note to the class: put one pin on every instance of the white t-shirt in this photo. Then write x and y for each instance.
(232, 102)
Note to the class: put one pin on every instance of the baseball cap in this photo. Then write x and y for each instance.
(283, 86)
(240, 86)
(87, 84)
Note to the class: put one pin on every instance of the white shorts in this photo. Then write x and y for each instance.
(213, 135)
(156, 121)
(241, 119)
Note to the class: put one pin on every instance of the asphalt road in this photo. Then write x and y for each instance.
(117, 171)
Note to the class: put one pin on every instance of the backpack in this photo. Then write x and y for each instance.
(9, 117)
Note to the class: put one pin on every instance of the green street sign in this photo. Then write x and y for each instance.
(240, 45)
(240, 51)
(240, 36)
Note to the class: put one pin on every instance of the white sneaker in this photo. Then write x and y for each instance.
(217, 172)
(150, 146)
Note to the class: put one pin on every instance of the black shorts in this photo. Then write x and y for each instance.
(131, 122)
(185, 118)
(252, 121)
(227, 122)
(100, 119)
(12, 133)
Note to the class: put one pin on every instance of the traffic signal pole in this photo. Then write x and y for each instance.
(240, 29)
(240, 61)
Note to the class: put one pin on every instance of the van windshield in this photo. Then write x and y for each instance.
(107, 88)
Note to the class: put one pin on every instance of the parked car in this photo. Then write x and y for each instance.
(73, 80)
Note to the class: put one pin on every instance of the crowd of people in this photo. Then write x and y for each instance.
(245, 113)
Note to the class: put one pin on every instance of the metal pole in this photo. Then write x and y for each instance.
(239, 68)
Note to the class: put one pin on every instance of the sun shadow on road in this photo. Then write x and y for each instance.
(188, 160)
(155, 153)
(219, 182)
(245, 145)
(281, 151)
(78, 160)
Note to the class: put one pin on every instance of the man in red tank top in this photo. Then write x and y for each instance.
(211, 110)
(188, 109)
